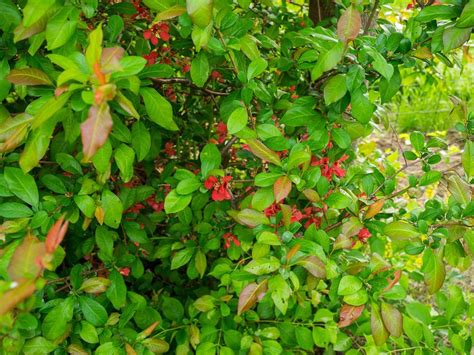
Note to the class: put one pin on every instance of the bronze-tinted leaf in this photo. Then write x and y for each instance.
(11, 298)
(396, 276)
(26, 260)
(379, 332)
(374, 209)
(56, 235)
(110, 60)
(28, 76)
(286, 212)
(250, 295)
(263, 152)
(349, 314)
(95, 130)
(392, 319)
(314, 266)
(291, 253)
(281, 188)
(349, 24)
(434, 271)
(21, 32)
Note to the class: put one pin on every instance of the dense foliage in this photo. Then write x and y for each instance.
(185, 177)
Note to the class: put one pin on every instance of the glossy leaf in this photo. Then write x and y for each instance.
(28, 76)
(95, 130)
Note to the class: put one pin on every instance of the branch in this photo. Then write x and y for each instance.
(188, 83)
(371, 17)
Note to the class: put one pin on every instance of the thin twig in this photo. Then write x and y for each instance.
(188, 82)
(371, 17)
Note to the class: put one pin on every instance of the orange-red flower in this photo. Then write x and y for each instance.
(220, 189)
(230, 238)
(363, 235)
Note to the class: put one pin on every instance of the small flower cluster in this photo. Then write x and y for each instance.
(151, 202)
(229, 238)
(309, 214)
(158, 31)
(220, 189)
(328, 170)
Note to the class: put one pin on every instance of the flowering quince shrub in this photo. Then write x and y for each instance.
(184, 177)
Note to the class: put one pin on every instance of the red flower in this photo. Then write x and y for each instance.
(230, 238)
(222, 132)
(186, 68)
(272, 210)
(169, 149)
(125, 271)
(363, 235)
(157, 31)
(220, 190)
(151, 57)
(296, 215)
(156, 206)
(329, 170)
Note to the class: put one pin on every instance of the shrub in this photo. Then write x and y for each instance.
(183, 178)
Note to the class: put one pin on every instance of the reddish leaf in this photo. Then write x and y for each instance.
(15, 296)
(379, 332)
(26, 260)
(286, 211)
(28, 76)
(291, 253)
(250, 295)
(374, 209)
(95, 130)
(392, 319)
(396, 276)
(263, 152)
(281, 188)
(56, 235)
(110, 60)
(349, 24)
(314, 266)
(349, 314)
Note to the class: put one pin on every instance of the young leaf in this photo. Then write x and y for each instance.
(349, 25)
(434, 271)
(23, 264)
(313, 265)
(349, 314)
(250, 295)
(95, 130)
(28, 76)
(94, 49)
(281, 188)
(392, 319)
(379, 332)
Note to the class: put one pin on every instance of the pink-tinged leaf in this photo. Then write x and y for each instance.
(56, 235)
(110, 60)
(392, 319)
(281, 188)
(13, 297)
(95, 130)
(349, 25)
(263, 152)
(314, 266)
(28, 76)
(379, 332)
(349, 314)
(396, 276)
(26, 260)
(251, 294)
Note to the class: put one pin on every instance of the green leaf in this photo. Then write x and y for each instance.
(304, 338)
(468, 157)
(266, 179)
(263, 152)
(113, 209)
(173, 309)
(380, 64)
(237, 120)
(94, 49)
(200, 69)
(389, 88)
(467, 16)
(200, 12)
(401, 230)
(459, 189)
(188, 186)
(335, 89)
(59, 30)
(22, 185)
(379, 332)
(433, 270)
(454, 37)
(263, 266)
(392, 319)
(117, 292)
(14, 210)
(298, 116)
(55, 323)
(313, 265)
(341, 138)
(125, 157)
(175, 202)
(348, 285)
(141, 140)
(361, 108)
(328, 60)
(93, 311)
(252, 218)
(86, 204)
(268, 238)
(256, 67)
(181, 258)
(430, 177)
(210, 159)
(338, 200)
(47, 111)
(35, 9)
(88, 333)
(28, 76)
(262, 199)
(38, 345)
(130, 65)
(158, 108)
(439, 12)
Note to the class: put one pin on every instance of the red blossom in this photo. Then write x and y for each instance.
(151, 57)
(328, 170)
(125, 271)
(186, 68)
(222, 132)
(169, 149)
(272, 210)
(157, 31)
(363, 235)
(230, 238)
(296, 215)
(220, 190)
